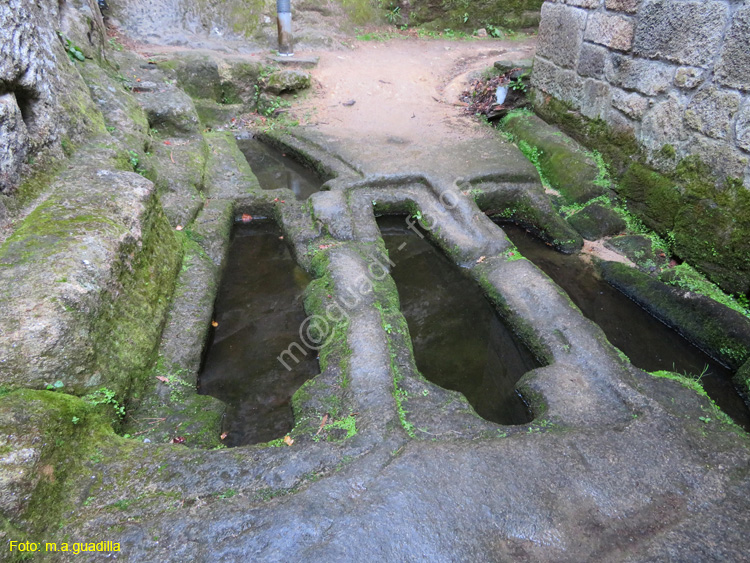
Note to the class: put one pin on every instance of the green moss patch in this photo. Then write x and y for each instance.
(562, 162)
(707, 223)
(652, 196)
(722, 332)
(60, 432)
(129, 326)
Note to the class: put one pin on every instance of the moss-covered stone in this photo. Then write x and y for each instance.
(132, 318)
(46, 437)
(169, 406)
(707, 224)
(652, 196)
(619, 147)
(528, 206)
(287, 80)
(596, 221)
(563, 162)
(179, 168)
(639, 249)
(718, 330)
(240, 77)
(123, 117)
(86, 279)
(712, 227)
(228, 175)
(213, 114)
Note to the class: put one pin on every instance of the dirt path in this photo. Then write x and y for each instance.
(403, 88)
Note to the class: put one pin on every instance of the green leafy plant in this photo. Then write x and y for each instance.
(274, 105)
(74, 51)
(518, 84)
(494, 31)
(349, 424)
(135, 161)
(105, 396)
(393, 15)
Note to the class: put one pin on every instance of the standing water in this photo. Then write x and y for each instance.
(276, 170)
(459, 341)
(259, 312)
(650, 345)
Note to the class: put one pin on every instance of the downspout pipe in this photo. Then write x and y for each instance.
(284, 22)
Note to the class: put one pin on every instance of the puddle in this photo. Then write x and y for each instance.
(259, 311)
(274, 170)
(649, 344)
(459, 341)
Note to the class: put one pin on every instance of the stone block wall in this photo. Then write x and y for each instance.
(671, 72)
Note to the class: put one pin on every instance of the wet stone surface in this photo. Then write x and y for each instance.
(459, 341)
(276, 170)
(648, 343)
(616, 465)
(259, 313)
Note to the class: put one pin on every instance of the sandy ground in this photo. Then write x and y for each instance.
(404, 88)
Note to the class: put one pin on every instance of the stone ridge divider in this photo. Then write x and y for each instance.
(257, 472)
(579, 356)
(371, 386)
(141, 490)
(332, 167)
(466, 234)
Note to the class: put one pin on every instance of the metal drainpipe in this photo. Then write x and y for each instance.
(284, 21)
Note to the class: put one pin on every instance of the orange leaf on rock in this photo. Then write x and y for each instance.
(246, 218)
(214, 324)
(288, 440)
(162, 379)
(224, 435)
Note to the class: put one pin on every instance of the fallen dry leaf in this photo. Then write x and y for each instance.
(246, 218)
(162, 379)
(322, 423)
(178, 440)
(481, 259)
(214, 324)
(178, 228)
(288, 440)
(224, 435)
